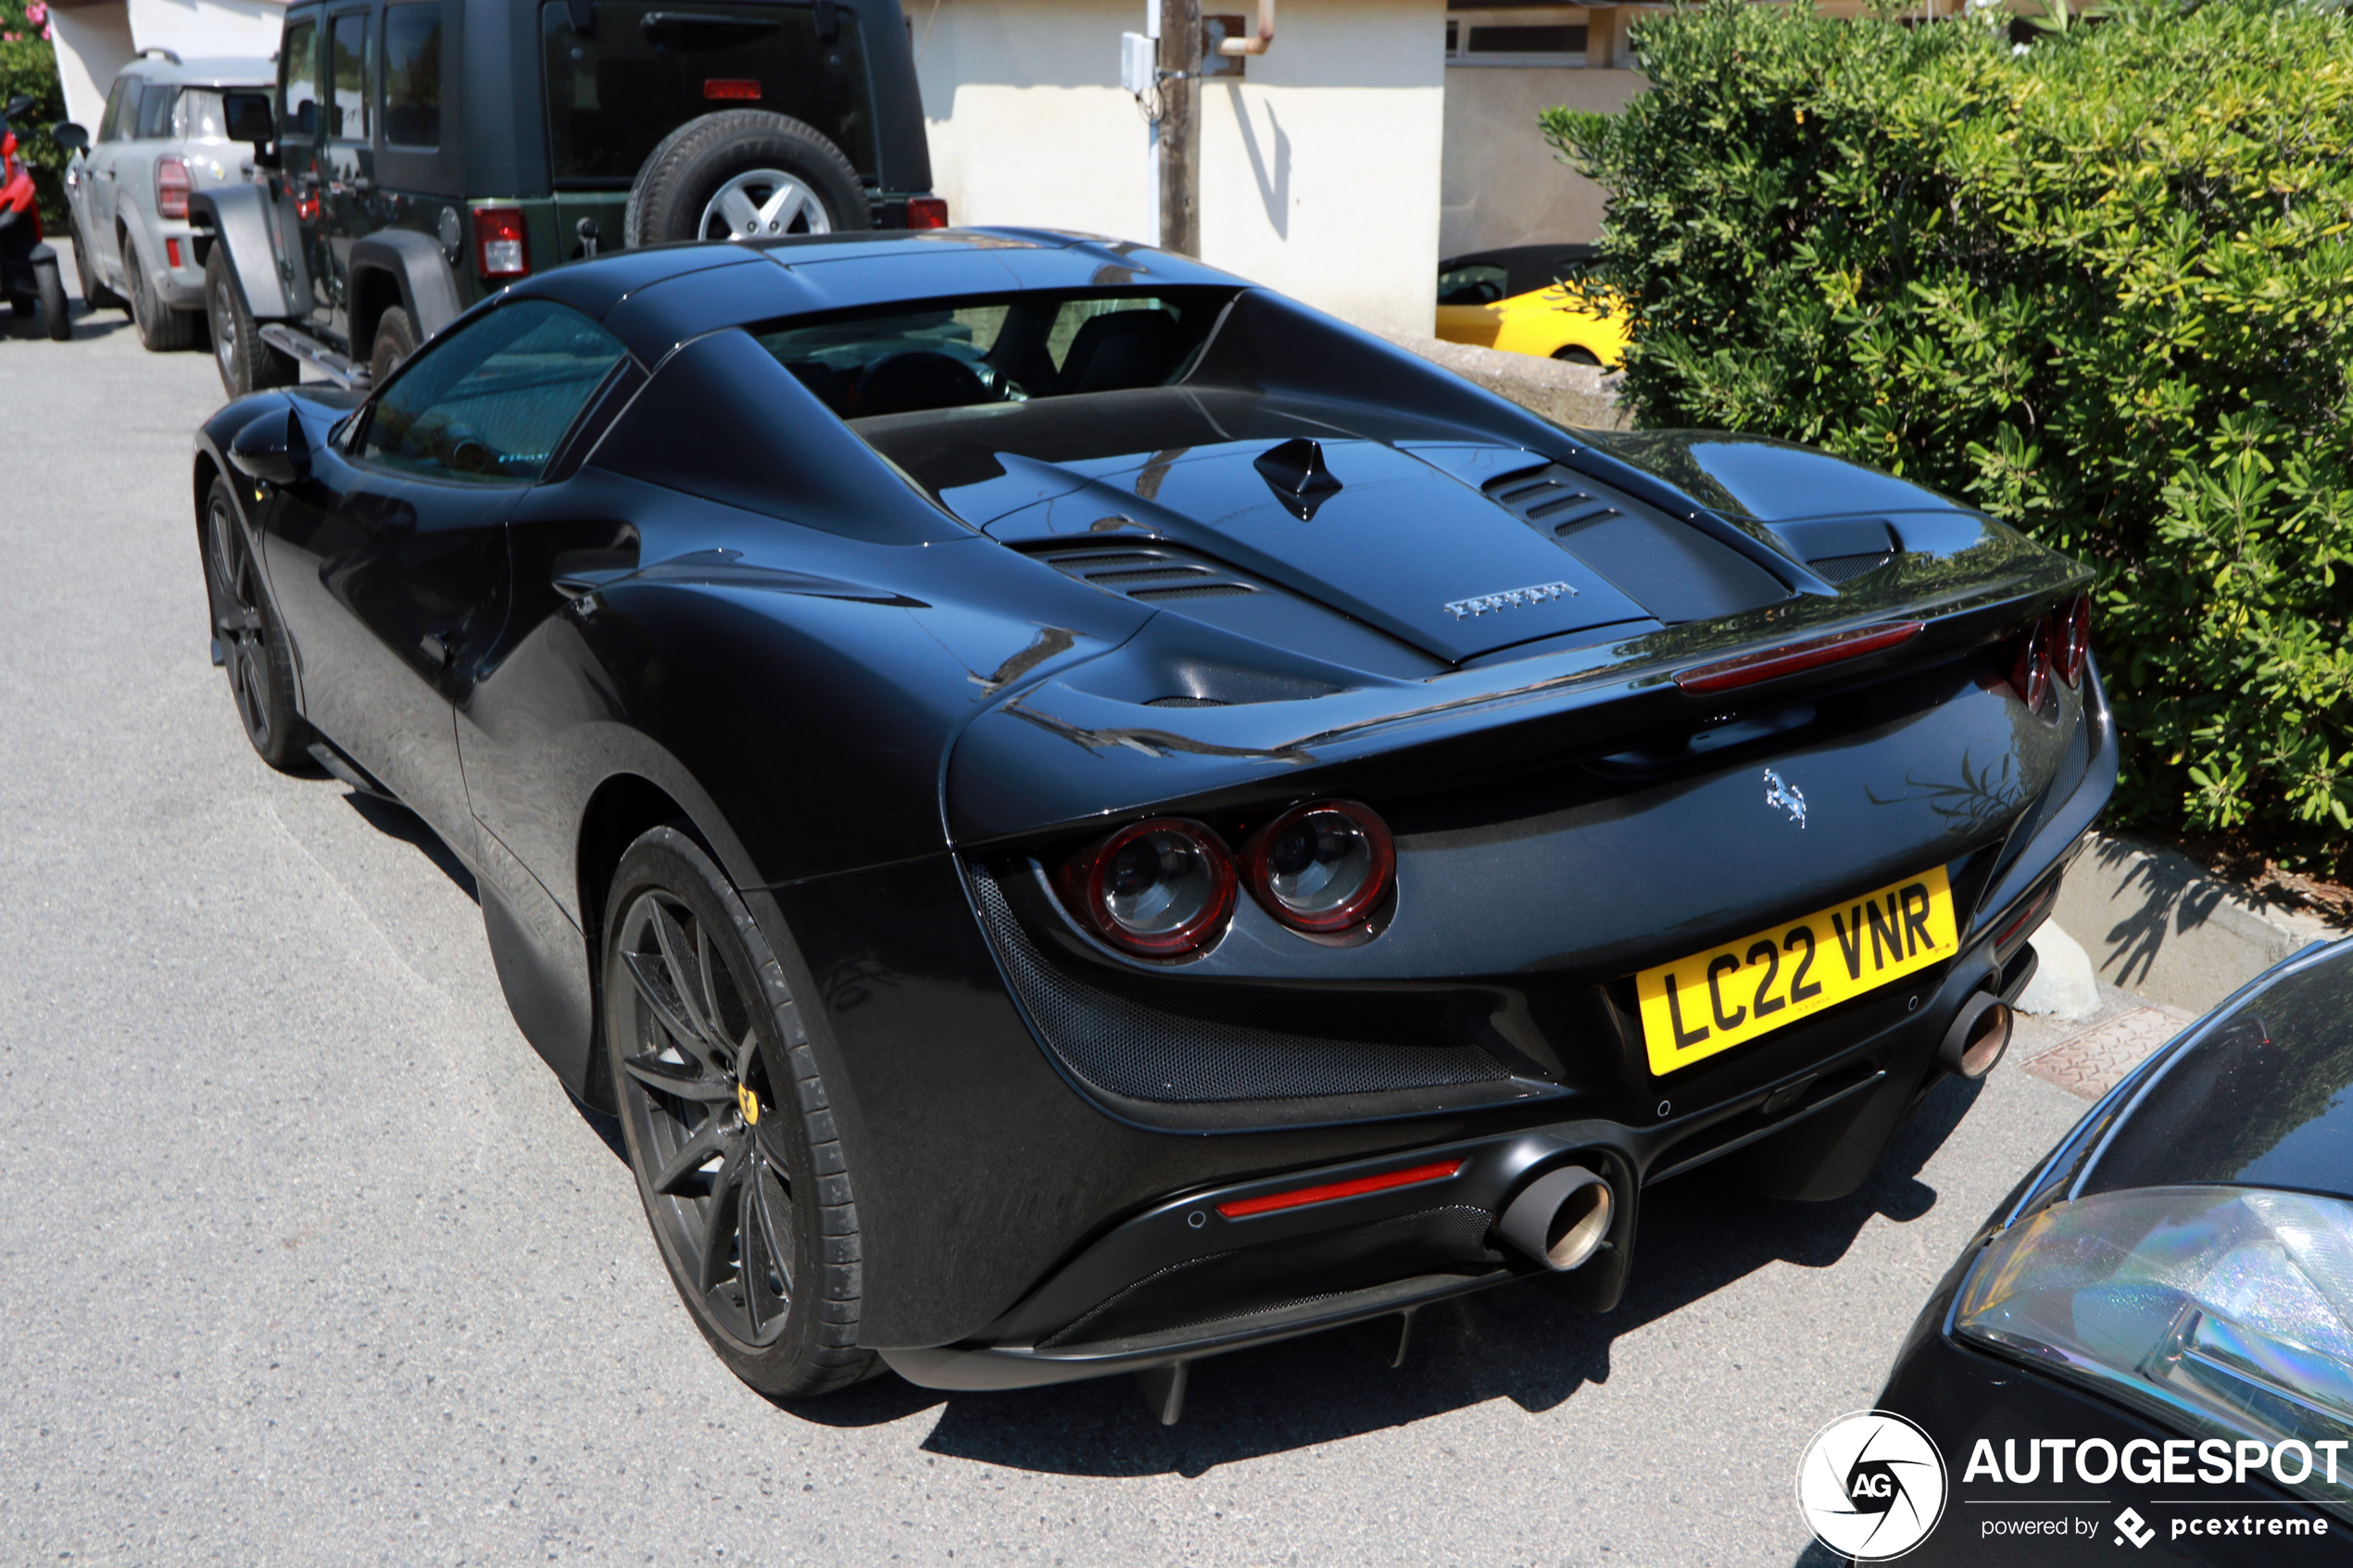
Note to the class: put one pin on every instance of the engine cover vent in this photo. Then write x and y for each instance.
(1669, 567)
(1838, 569)
(1550, 500)
(1152, 573)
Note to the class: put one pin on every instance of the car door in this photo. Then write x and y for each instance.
(301, 116)
(105, 154)
(346, 164)
(390, 561)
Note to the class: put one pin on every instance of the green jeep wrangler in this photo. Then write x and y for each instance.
(417, 155)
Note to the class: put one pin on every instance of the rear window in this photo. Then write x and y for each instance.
(1006, 350)
(642, 71)
(412, 75)
(154, 111)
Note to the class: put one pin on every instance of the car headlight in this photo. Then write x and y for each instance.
(2216, 1310)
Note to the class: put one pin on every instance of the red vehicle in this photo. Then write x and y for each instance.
(29, 275)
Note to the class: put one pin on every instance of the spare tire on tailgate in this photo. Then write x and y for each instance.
(743, 174)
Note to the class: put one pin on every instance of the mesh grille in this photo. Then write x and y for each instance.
(1211, 1055)
(1226, 1289)
(1835, 569)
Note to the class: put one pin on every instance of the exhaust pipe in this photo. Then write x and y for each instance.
(1979, 1034)
(1560, 1218)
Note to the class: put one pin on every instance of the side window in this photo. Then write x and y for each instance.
(155, 110)
(298, 81)
(110, 128)
(489, 404)
(412, 75)
(198, 116)
(1478, 283)
(347, 65)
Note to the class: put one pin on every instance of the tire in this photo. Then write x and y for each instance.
(1577, 353)
(161, 329)
(252, 642)
(94, 294)
(246, 364)
(52, 286)
(711, 1066)
(396, 340)
(20, 307)
(783, 178)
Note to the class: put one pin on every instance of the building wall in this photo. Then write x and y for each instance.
(1503, 185)
(1320, 168)
(95, 40)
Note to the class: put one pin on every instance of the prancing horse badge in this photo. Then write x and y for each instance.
(1779, 791)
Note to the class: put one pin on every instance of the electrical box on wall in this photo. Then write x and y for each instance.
(1216, 31)
(1139, 59)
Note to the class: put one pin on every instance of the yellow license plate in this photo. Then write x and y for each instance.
(1712, 1001)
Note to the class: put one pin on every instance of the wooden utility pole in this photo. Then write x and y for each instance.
(1181, 35)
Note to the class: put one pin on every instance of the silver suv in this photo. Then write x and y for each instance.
(162, 136)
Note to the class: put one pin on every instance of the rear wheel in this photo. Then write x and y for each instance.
(245, 363)
(251, 643)
(396, 340)
(162, 330)
(1577, 353)
(727, 1123)
(743, 174)
(51, 286)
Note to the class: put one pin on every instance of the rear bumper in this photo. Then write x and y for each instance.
(1182, 1281)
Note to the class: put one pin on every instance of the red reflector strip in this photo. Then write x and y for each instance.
(1299, 1198)
(2034, 906)
(722, 89)
(1773, 663)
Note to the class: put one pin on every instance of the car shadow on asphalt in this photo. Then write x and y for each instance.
(396, 821)
(1518, 1342)
(87, 323)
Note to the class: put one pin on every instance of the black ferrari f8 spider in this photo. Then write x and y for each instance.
(1084, 815)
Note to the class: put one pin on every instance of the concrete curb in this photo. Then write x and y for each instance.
(1580, 396)
(2157, 926)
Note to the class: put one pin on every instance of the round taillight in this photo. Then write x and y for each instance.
(2071, 638)
(1322, 866)
(2030, 665)
(1155, 888)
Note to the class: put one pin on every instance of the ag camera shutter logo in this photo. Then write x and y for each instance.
(1872, 1485)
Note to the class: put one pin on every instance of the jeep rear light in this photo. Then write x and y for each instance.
(730, 90)
(500, 248)
(926, 212)
(171, 188)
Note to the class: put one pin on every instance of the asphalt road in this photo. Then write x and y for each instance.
(306, 1259)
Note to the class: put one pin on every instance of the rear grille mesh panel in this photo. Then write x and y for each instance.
(1835, 569)
(1214, 1053)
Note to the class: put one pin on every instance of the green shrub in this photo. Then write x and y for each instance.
(29, 65)
(2102, 289)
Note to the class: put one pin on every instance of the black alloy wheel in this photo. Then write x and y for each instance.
(727, 1124)
(251, 645)
(246, 364)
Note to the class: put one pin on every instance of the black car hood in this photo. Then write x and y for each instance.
(1194, 502)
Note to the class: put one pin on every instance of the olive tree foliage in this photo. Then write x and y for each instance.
(2101, 287)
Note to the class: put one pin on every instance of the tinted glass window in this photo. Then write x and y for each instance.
(1478, 283)
(110, 123)
(348, 69)
(154, 111)
(412, 75)
(298, 73)
(995, 351)
(489, 404)
(646, 70)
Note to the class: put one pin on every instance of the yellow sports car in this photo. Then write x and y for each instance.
(1513, 299)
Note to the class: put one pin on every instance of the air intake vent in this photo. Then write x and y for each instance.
(1552, 500)
(1152, 573)
(1836, 569)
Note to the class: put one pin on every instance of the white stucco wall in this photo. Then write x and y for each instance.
(93, 41)
(1319, 170)
(1502, 185)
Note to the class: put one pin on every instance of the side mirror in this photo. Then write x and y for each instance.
(17, 107)
(249, 117)
(271, 448)
(69, 136)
